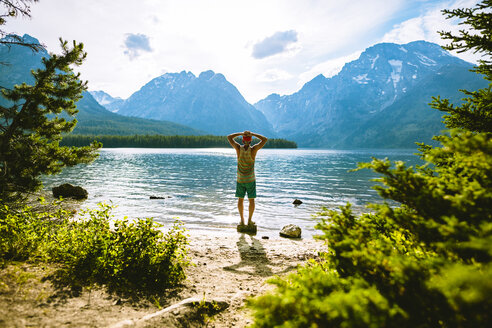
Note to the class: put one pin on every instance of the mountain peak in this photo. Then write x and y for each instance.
(182, 98)
(382, 76)
(206, 75)
(318, 80)
(106, 100)
(29, 39)
(26, 38)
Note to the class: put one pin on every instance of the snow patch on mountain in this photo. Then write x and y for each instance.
(104, 99)
(373, 61)
(425, 60)
(396, 65)
(361, 79)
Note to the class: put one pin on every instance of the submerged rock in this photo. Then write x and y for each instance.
(69, 191)
(250, 228)
(297, 202)
(291, 231)
(157, 197)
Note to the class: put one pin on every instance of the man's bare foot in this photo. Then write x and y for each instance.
(251, 223)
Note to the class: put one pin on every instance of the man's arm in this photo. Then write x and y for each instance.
(233, 142)
(263, 141)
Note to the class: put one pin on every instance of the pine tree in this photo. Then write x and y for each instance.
(476, 113)
(32, 126)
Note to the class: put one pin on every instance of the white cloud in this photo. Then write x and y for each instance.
(277, 43)
(135, 44)
(274, 74)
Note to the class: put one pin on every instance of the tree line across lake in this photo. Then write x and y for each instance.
(160, 141)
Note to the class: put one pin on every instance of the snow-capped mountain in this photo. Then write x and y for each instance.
(328, 110)
(104, 99)
(207, 102)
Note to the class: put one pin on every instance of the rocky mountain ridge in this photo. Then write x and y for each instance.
(207, 102)
(92, 118)
(326, 111)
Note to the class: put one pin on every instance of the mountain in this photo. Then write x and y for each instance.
(92, 117)
(110, 103)
(410, 119)
(207, 102)
(379, 100)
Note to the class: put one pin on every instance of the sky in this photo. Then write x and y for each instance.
(261, 46)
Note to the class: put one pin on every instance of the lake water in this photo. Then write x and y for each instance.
(199, 184)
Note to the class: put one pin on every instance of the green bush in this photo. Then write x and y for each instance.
(22, 232)
(424, 263)
(94, 248)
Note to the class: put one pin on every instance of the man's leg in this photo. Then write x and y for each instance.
(251, 210)
(240, 207)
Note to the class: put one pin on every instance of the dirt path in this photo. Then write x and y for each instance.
(229, 267)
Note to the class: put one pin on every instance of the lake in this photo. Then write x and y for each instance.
(199, 184)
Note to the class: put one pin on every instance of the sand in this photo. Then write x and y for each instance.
(228, 267)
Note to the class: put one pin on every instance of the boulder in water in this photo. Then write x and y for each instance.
(67, 190)
(297, 202)
(249, 229)
(291, 231)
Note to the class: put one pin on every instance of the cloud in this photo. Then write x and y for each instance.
(275, 44)
(135, 43)
(272, 75)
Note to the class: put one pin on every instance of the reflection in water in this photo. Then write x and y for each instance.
(199, 184)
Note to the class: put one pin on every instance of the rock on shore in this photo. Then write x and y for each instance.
(291, 231)
(69, 191)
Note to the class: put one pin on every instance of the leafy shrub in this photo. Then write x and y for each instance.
(22, 232)
(424, 263)
(130, 256)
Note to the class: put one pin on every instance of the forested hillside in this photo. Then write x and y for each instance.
(160, 141)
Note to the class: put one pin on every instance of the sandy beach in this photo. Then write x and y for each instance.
(228, 267)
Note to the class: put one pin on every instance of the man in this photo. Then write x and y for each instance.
(246, 180)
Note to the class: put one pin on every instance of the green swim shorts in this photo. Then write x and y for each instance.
(242, 188)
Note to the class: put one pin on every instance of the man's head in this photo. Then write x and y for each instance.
(247, 137)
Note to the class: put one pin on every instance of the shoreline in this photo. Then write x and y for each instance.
(227, 268)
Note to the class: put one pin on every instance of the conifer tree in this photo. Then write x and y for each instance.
(476, 113)
(426, 262)
(31, 126)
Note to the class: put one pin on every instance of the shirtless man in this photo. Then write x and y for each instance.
(246, 181)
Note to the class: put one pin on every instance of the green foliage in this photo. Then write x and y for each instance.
(31, 128)
(128, 256)
(476, 113)
(476, 37)
(161, 141)
(424, 263)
